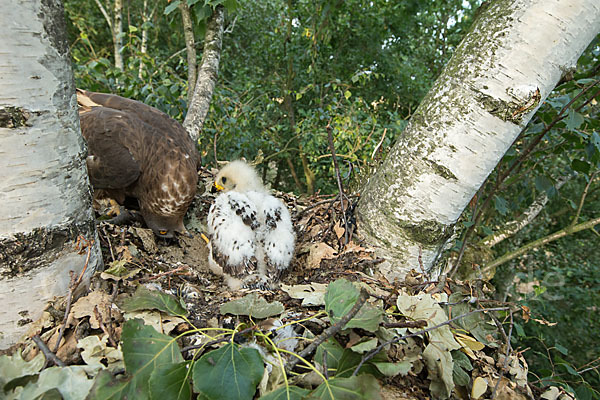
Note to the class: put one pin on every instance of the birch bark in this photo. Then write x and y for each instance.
(504, 68)
(207, 74)
(44, 189)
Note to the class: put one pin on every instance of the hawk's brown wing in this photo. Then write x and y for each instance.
(111, 163)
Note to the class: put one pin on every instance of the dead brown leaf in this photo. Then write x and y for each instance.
(318, 252)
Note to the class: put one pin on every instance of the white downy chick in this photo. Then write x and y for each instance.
(251, 234)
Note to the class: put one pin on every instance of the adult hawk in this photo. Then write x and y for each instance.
(137, 151)
(252, 237)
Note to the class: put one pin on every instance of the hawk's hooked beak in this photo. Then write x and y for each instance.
(216, 188)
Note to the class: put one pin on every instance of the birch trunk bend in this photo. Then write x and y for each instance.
(44, 186)
(505, 67)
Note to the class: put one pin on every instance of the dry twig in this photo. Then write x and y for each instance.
(81, 241)
(50, 356)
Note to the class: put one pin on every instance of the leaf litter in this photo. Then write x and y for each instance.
(158, 321)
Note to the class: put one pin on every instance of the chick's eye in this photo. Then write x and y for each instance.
(223, 179)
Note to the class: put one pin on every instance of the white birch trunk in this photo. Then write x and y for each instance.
(44, 188)
(502, 71)
(188, 33)
(207, 74)
(118, 34)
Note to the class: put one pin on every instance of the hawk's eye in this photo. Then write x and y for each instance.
(223, 179)
(162, 232)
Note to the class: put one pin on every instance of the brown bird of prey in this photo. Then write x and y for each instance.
(137, 151)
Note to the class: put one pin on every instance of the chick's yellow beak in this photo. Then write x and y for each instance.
(216, 188)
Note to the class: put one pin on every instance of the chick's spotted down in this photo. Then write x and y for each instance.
(251, 234)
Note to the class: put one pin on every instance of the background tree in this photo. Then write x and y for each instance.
(43, 182)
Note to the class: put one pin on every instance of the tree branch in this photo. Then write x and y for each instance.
(207, 74)
(542, 241)
(514, 226)
(188, 33)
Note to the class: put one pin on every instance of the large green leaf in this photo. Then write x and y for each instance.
(360, 387)
(286, 393)
(252, 305)
(144, 350)
(228, 373)
(171, 381)
(340, 298)
(145, 299)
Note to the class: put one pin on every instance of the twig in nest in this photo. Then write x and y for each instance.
(339, 181)
(508, 349)
(112, 255)
(318, 203)
(373, 352)
(406, 324)
(73, 286)
(221, 340)
(177, 271)
(104, 327)
(332, 330)
(50, 356)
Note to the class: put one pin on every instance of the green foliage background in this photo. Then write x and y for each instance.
(289, 69)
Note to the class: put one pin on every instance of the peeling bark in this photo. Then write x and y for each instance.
(46, 202)
(207, 74)
(504, 68)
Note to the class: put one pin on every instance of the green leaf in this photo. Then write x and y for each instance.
(460, 376)
(543, 183)
(333, 351)
(358, 387)
(581, 166)
(171, 7)
(486, 230)
(347, 94)
(365, 345)
(289, 393)
(392, 369)
(519, 330)
(350, 360)
(171, 381)
(146, 299)
(107, 387)
(340, 297)
(144, 350)
(228, 373)
(562, 349)
(574, 120)
(501, 205)
(252, 305)
(461, 360)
